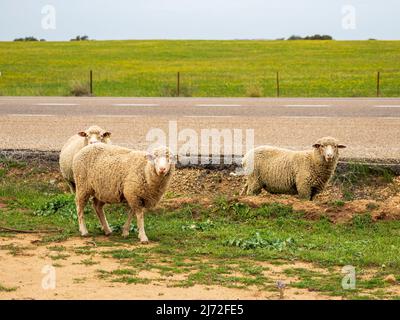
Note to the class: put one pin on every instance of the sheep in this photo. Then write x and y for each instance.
(94, 134)
(277, 170)
(113, 174)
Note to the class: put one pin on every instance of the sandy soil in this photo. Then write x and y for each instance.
(75, 280)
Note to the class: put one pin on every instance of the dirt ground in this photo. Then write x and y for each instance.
(76, 280)
(380, 198)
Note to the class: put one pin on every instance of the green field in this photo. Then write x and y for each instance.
(208, 68)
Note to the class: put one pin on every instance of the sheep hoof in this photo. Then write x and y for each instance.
(84, 234)
(108, 233)
(143, 240)
(125, 234)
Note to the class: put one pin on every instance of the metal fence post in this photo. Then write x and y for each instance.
(277, 84)
(91, 82)
(378, 84)
(178, 84)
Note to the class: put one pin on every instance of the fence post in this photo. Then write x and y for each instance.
(178, 84)
(91, 82)
(378, 84)
(277, 84)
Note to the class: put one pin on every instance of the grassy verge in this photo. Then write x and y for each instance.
(228, 243)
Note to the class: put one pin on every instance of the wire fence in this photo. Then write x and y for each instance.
(119, 82)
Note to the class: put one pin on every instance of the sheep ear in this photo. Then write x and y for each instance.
(316, 145)
(341, 146)
(150, 157)
(106, 134)
(82, 134)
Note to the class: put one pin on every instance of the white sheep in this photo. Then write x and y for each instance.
(94, 134)
(112, 174)
(277, 170)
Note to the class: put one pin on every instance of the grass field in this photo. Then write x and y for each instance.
(208, 68)
(226, 244)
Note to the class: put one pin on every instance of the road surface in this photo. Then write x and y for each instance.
(369, 127)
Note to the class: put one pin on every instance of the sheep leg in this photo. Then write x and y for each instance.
(127, 225)
(140, 224)
(304, 191)
(98, 207)
(314, 192)
(71, 186)
(253, 186)
(81, 201)
(244, 190)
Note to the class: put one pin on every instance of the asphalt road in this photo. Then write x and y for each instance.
(369, 127)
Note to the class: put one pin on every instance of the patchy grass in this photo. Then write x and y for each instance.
(256, 241)
(329, 283)
(61, 204)
(359, 176)
(13, 249)
(3, 172)
(212, 274)
(79, 280)
(7, 289)
(363, 221)
(337, 203)
(88, 262)
(79, 89)
(10, 163)
(225, 243)
(358, 173)
(57, 248)
(59, 256)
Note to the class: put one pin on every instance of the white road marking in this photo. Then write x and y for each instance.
(116, 116)
(135, 105)
(388, 106)
(303, 117)
(30, 115)
(307, 105)
(390, 118)
(56, 104)
(208, 116)
(218, 105)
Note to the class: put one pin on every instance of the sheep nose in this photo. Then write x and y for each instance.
(162, 170)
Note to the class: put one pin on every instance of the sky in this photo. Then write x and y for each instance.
(60, 20)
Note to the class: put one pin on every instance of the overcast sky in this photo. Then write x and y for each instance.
(199, 19)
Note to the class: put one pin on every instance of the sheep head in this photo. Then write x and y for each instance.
(328, 148)
(95, 134)
(162, 159)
